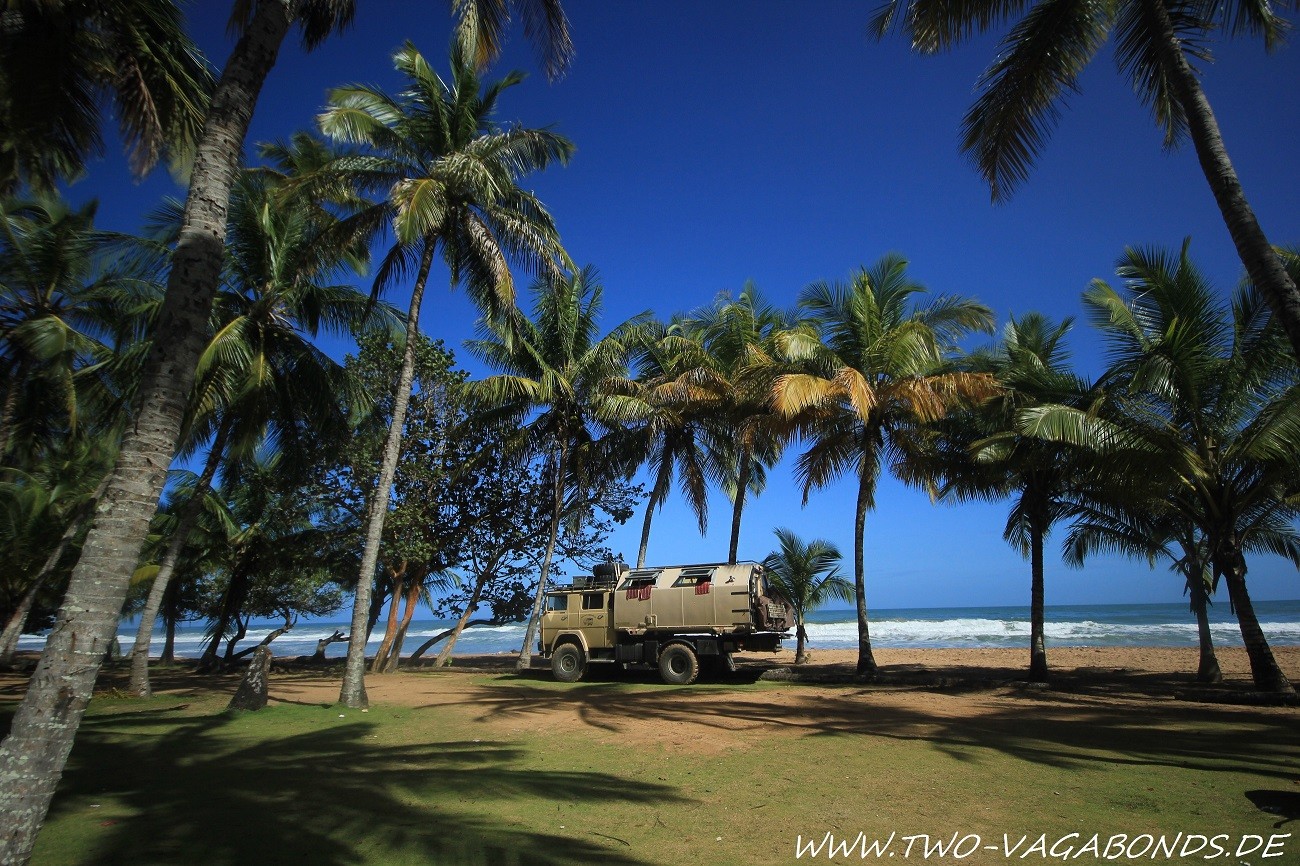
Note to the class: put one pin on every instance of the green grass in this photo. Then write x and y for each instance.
(176, 780)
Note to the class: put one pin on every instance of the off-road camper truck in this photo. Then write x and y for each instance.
(672, 617)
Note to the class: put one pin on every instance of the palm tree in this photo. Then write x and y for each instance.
(1206, 403)
(553, 389)
(981, 454)
(727, 355)
(808, 574)
(32, 756)
(876, 373)
(449, 174)
(1039, 65)
(664, 417)
(59, 59)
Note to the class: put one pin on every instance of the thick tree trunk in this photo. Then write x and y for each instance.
(657, 495)
(1037, 642)
(139, 682)
(1262, 263)
(353, 691)
(866, 659)
(743, 469)
(1264, 669)
(32, 757)
(1207, 670)
(525, 660)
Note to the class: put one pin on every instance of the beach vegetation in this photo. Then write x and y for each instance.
(875, 371)
(807, 573)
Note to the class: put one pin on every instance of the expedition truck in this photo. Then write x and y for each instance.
(671, 617)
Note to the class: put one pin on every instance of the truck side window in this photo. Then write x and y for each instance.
(693, 576)
(557, 602)
(593, 601)
(639, 578)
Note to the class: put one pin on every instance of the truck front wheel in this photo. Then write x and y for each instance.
(678, 665)
(567, 663)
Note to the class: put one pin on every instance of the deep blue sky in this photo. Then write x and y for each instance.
(719, 143)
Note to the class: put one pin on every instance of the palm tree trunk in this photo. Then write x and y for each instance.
(32, 757)
(390, 630)
(8, 409)
(801, 638)
(353, 692)
(1262, 263)
(408, 612)
(1264, 669)
(525, 660)
(139, 682)
(1037, 643)
(17, 622)
(867, 666)
(1208, 669)
(743, 469)
(656, 499)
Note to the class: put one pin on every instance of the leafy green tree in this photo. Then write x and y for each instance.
(552, 390)
(1157, 43)
(61, 60)
(980, 453)
(808, 574)
(1206, 403)
(449, 176)
(874, 375)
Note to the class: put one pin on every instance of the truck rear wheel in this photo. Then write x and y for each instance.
(678, 665)
(568, 663)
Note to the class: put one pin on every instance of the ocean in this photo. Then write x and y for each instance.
(959, 627)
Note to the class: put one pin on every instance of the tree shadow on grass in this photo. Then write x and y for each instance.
(1069, 731)
(227, 790)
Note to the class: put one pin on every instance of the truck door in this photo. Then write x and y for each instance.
(595, 619)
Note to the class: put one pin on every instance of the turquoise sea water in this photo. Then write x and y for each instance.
(1067, 625)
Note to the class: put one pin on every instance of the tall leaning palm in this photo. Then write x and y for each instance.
(552, 388)
(876, 373)
(808, 574)
(449, 176)
(33, 755)
(1156, 44)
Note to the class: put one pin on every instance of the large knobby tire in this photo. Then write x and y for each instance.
(678, 665)
(568, 663)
